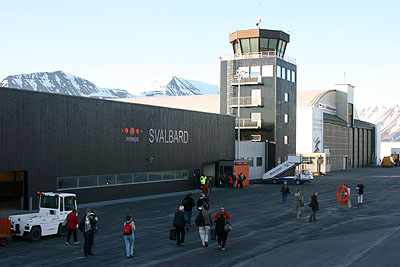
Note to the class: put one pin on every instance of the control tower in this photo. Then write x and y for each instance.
(268, 88)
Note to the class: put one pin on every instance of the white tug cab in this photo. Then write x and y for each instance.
(53, 210)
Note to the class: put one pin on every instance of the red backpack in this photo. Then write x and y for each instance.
(127, 230)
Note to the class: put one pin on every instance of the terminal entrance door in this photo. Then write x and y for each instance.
(12, 190)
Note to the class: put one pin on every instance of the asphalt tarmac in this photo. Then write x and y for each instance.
(265, 231)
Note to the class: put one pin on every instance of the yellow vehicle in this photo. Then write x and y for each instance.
(387, 162)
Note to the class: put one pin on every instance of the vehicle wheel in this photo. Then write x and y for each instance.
(274, 181)
(62, 230)
(3, 242)
(35, 234)
(297, 182)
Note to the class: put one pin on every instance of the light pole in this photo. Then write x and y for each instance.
(240, 75)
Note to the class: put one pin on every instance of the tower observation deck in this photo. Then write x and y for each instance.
(259, 42)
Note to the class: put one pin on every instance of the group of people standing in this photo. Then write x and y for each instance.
(230, 181)
(204, 221)
(87, 225)
(299, 200)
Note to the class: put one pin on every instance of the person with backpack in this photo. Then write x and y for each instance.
(129, 235)
(87, 226)
(188, 204)
(72, 222)
(314, 206)
(179, 225)
(285, 192)
(204, 222)
(221, 220)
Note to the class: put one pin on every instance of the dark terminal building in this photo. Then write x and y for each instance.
(100, 149)
(267, 92)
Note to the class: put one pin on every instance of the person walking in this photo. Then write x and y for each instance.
(205, 189)
(233, 180)
(285, 192)
(360, 193)
(221, 219)
(72, 222)
(129, 235)
(241, 178)
(202, 201)
(188, 204)
(204, 222)
(230, 181)
(299, 203)
(314, 206)
(203, 179)
(87, 225)
(179, 225)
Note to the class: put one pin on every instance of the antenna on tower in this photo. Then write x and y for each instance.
(344, 78)
(258, 24)
(289, 26)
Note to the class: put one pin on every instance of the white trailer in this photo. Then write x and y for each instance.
(53, 210)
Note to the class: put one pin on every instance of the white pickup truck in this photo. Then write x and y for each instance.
(53, 209)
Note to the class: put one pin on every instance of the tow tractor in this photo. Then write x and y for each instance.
(53, 210)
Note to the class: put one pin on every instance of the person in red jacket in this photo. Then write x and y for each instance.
(221, 219)
(72, 222)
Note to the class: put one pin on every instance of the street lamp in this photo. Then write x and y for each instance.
(240, 74)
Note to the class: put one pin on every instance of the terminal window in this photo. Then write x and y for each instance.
(267, 70)
(293, 76)
(286, 97)
(285, 140)
(283, 73)
(254, 71)
(278, 71)
(259, 161)
(286, 118)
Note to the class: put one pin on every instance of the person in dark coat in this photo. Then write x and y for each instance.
(220, 219)
(179, 225)
(285, 192)
(188, 204)
(314, 206)
(202, 201)
(233, 181)
(88, 225)
(360, 192)
(72, 222)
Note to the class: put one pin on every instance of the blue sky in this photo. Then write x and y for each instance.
(122, 44)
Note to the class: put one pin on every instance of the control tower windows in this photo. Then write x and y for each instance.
(254, 45)
(268, 70)
(272, 44)
(254, 71)
(244, 43)
(278, 71)
(263, 44)
(283, 73)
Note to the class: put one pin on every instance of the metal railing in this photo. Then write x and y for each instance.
(247, 80)
(249, 124)
(248, 101)
(264, 54)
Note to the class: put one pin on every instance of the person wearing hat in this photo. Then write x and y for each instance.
(179, 225)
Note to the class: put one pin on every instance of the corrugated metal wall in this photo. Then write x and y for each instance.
(52, 136)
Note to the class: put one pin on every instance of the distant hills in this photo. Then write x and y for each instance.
(60, 82)
(387, 117)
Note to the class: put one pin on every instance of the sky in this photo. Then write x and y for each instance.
(125, 44)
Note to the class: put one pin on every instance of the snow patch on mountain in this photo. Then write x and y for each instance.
(387, 117)
(60, 82)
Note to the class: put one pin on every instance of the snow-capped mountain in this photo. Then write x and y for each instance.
(177, 86)
(60, 82)
(387, 117)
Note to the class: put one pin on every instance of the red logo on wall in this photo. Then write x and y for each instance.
(132, 134)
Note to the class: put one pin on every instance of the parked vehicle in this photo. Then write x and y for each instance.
(5, 228)
(396, 159)
(387, 162)
(53, 210)
(304, 176)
